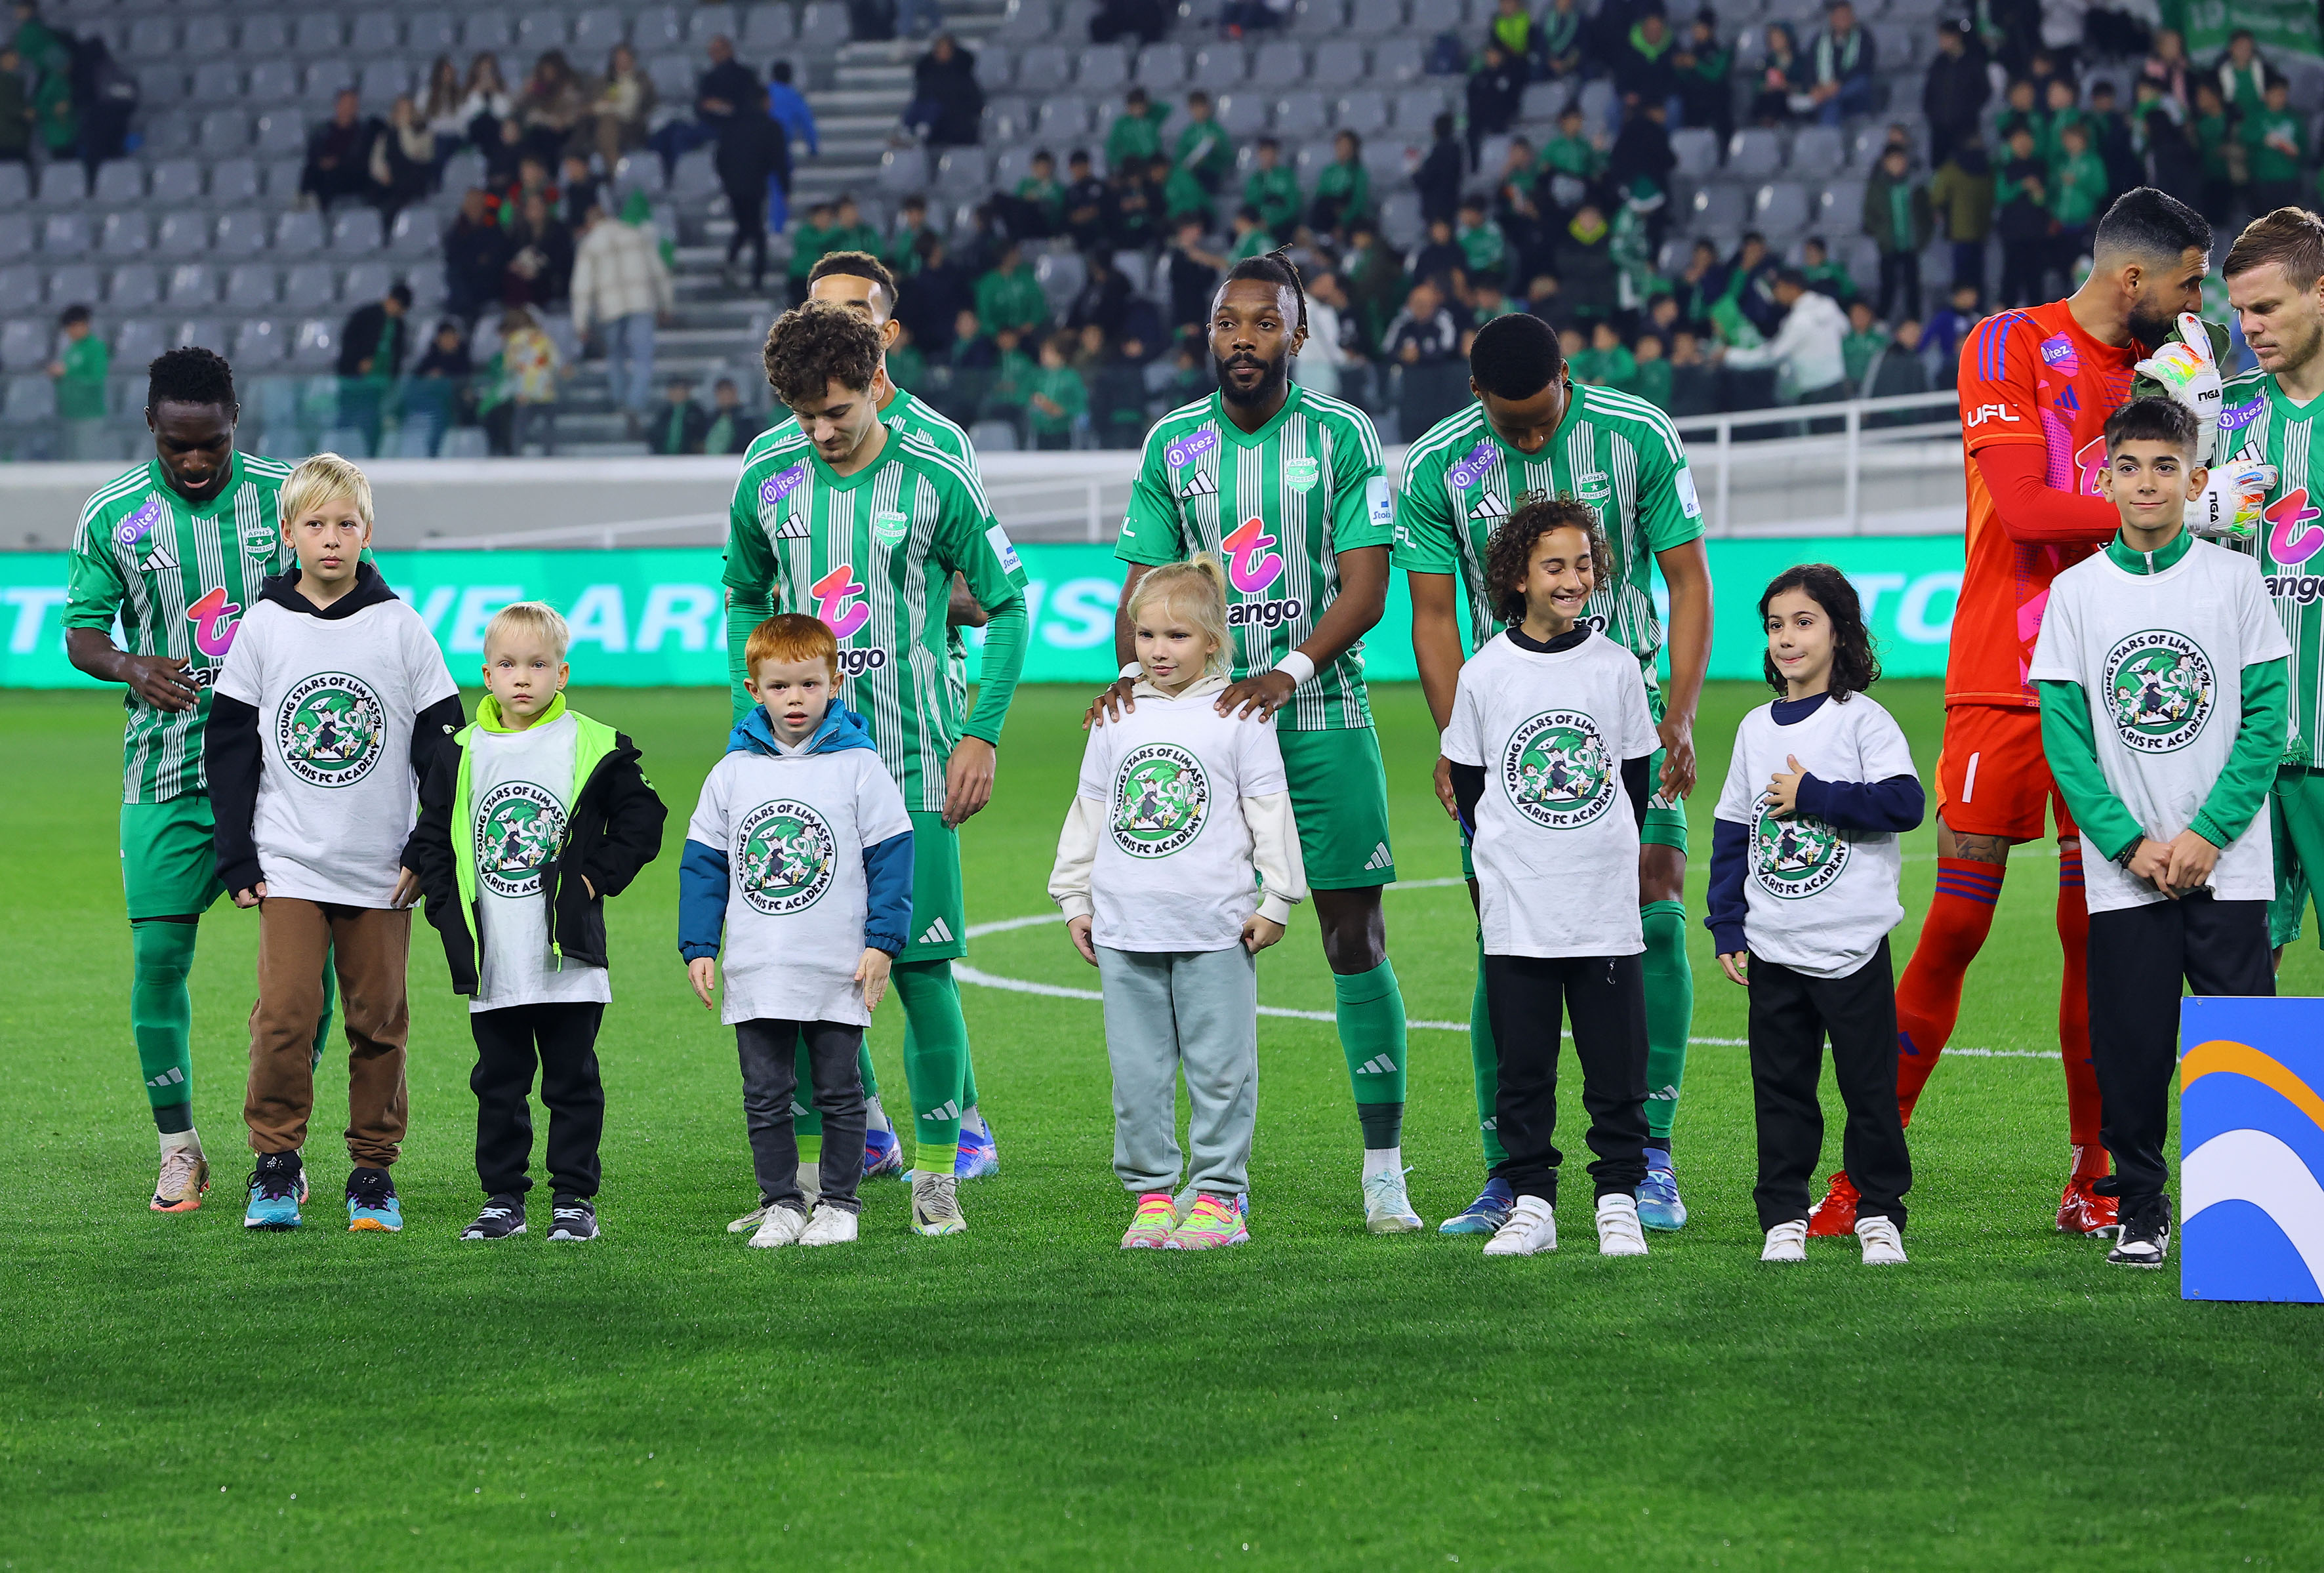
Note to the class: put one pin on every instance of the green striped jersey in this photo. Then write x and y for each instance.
(1616, 453)
(873, 555)
(1275, 506)
(178, 577)
(2256, 421)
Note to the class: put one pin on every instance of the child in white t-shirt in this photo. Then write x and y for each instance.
(332, 701)
(1178, 864)
(1549, 748)
(1803, 869)
(800, 854)
(527, 823)
(2162, 672)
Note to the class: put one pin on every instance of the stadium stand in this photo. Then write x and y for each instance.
(199, 218)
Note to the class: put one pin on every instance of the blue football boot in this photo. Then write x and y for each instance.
(979, 1154)
(1659, 1207)
(1485, 1215)
(277, 1186)
(883, 1154)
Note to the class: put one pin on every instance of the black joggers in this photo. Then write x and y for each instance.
(2138, 955)
(1529, 998)
(769, 1055)
(1791, 1012)
(563, 1040)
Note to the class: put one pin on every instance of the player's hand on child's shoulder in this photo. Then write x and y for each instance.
(871, 973)
(1077, 929)
(1258, 695)
(1259, 932)
(1112, 702)
(703, 973)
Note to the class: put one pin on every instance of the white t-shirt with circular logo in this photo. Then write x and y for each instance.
(1556, 848)
(335, 699)
(2161, 658)
(1819, 898)
(521, 788)
(794, 829)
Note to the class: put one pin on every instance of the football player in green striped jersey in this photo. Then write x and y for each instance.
(1285, 488)
(2269, 416)
(1532, 432)
(860, 282)
(864, 527)
(172, 551)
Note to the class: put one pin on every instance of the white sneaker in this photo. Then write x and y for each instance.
(1387, 1209)
(750, 1221)
(935, 1204)
(1619, 1232)
(1531, 1228)
(830, 1226)
(781, 1227)
(1882, 1243)
(1787, 1242)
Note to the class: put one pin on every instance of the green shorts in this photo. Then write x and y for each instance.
(939, 931)
(2296, 818)
(169, 865)
(1339, 800)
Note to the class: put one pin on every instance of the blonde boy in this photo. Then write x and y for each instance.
(332, 700)
(527, 821)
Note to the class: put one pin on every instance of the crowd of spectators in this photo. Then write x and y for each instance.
(63, 95)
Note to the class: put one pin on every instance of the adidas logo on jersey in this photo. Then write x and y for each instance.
(1379, 858)
(158, 556)
(1488, 506)
(794, 527)
(949, 1109)
(939, 933)
(1199, 485)
(1378, 1065)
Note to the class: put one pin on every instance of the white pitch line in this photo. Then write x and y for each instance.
(983, 980)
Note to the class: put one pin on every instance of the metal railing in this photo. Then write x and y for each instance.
(1805, 431)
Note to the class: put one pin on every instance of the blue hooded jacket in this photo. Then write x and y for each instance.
(705, 881)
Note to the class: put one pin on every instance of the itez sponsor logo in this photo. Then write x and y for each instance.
(1184, 451)
(134, 529)
(2237, 417)
(1253, 566)
(2058, 351)
(777, 487)
(1474, 466)
(833, 594)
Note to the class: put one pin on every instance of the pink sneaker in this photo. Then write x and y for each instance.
(1157, 1215)
(1214, 1220)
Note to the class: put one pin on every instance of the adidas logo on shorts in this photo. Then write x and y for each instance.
(1379, 858)
(939, 933)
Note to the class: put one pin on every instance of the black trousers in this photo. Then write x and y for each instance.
(1900, 280)
(2021, 271)
(562, 1039)
(1529, 999)
(1791, 1014)
(2138, 957)
(747, 200)
(770, 1054)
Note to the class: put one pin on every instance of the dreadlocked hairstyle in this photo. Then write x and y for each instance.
(189, 376)
(1855, 666)
(1275, 268)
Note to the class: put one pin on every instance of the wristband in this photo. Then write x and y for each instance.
(1297, 667)
(1132, 672)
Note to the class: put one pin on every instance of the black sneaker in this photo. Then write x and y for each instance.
(575, 1217)
(503, 1215)
(372, 1202)
(2145, 1236)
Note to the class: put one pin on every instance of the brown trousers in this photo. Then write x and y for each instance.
(371, 948)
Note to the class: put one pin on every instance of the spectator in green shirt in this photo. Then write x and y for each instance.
(1823, 275)
(1250, 238)
(1650, 376)
(1489, 299)
(1605, 364)
(902, 252)
(2064, 111)
(2242, 75)
(2223, 155)
(1137, 132)
(1040, 200)
(80, 372)
(1481, 241)
(1010, 297)
(1570, 161)
(849, 232)
(2021, 198)
(1558, 42)
(1343, 191)
(1273, 188)
(59, 121)
(1204, 148)
(1012, 377)
(907, 366)
(2277, 137)
(1184, 195)
(15, 109)
(816, 236)
(1900, 219)
(1055, 397)
(1865, 341)
(2078, 191)
(2021, 105)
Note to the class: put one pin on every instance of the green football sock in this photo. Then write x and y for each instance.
(936, 1059)
(323, 1021)
(1372, 1035)
(1670, 1011)
(967, 1078)
(810, 1152)
(162, 1016)
(807, 1121)
(864, 1068)
(1485, 1059)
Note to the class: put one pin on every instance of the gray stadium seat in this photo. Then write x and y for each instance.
(823, 27)
(1058, 120)
(1026, 21)
(74, 284)
(710, 20)
(183, 232)
(193, 284)
(1720, 211)
(1340, 62)
(1220, 68)
(300, 233)
(964, 172)
(1363, 111)
(1384, 159)
(30, 399)
(1398, 60)
(169, 130)
(657, 27)
(241, 232)
(1595, 100)
(1061, 275)
(64, 234)
(24, 344)
(120, 181)
(15, 185)
(1545, 101)
(379, 82)
(1840, 207)
(697, 175)
(224, 132)
(310, 287)
(465, 168)
(1696, 148)
(316, 345)
(279, 179)
(1301, 113)
(206, 331)
(377, 32)
(1780, 208)
(1161, 67)
(159, 87)
(1417, 109)
(673, 77)
(260, 341)
(356, 229)
(125, 234)
(1898, 46)
(1754, 153)
(1241, 114)
(61, 185)
(252, 287)
(432, 33)
(137, 341)
(987, 437)
(1279, 62)
(217, 82)
(538, 28)
(770, 27)
(263, 34)
(1043, 68)
(993, 70)
(1375, 18)
(488, 30)
(366, 281)
(1104, 67)
(153, 38)
(274, 82)
(415, 233)
(136, 287)
(19, 283)
(15, 235)
(1314, 18)
(1817, 152)
(315, 34)
(903, 171)
(281, 130)
(1013, 165)
(1399, 219)
(207, 37)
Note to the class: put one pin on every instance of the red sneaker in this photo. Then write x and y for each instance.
(1835, 1215)
(2083, 1212)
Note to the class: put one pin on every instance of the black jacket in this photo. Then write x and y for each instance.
(233, 750)
(359, 341)
(614, 832)
(1956, 87)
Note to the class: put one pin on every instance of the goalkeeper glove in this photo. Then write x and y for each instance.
(2231, 502)
(2189, 376)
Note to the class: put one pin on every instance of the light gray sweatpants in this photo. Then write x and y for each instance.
(1197, 1011)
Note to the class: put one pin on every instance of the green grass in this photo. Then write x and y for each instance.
(174, 1393)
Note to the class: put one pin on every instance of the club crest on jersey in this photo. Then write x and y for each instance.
(1593, 488)
(1161, 801)
(787, 858)
(1557, 770)
(839, 602)
(1300, 475)
(215, 618)
(888, 527)
(260, 542)
(1474, 466)
(1794, 858)
(1180, 452)
(328, 728)
(518, 829)
(134, 528)
(2159, 689)
(2058, 351)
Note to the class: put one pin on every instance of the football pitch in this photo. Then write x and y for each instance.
(177, 1393)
